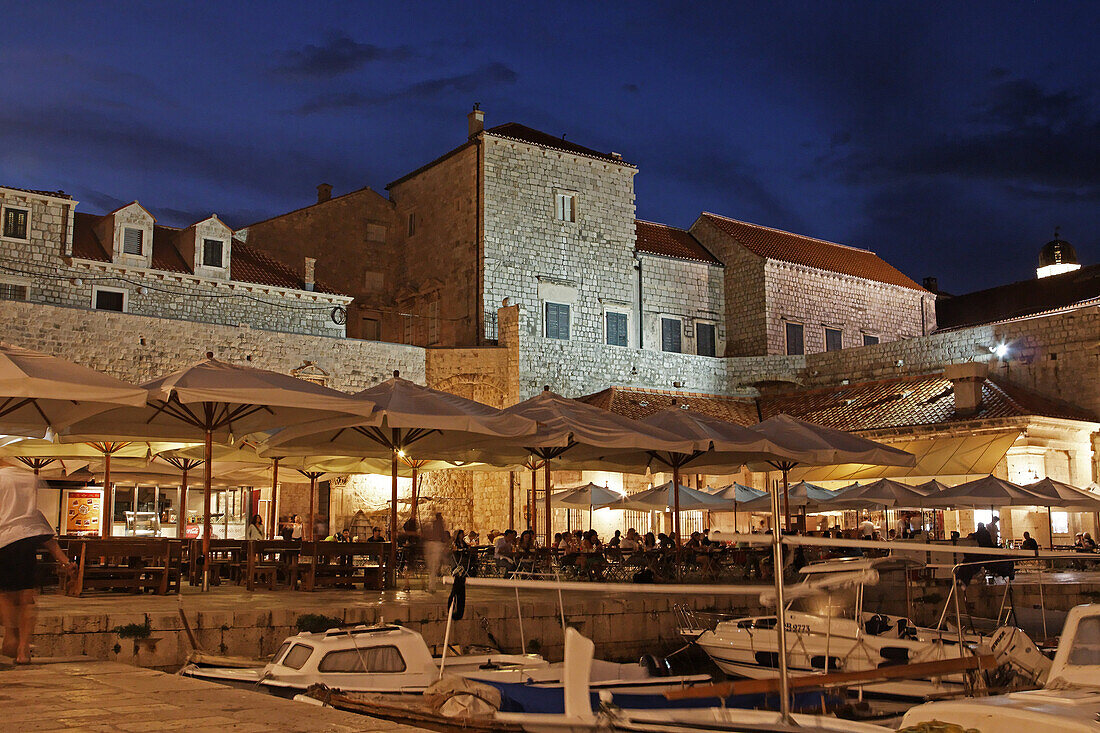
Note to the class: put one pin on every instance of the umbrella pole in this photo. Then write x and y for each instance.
(312, 505)
(549, 526)
(511, 500)
(273, 512)
(676, 502)
(1050, 526)
(780, 621)
(415, 513)
(532, 505)
(207, 480)
(391, 572)
(181, 515)
(109, 496)
(786, 505)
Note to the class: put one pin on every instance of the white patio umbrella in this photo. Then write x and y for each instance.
(213, 400)
(39, 392)
(584, 433)
(410, 420)
(738, 494)
(987, 491)
(590, 496)
(817, 445)
(1063, 496)
(660, 498)
(801, 495)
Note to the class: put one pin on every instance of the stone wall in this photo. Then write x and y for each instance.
(688, 291)
(532, 258)
(354, 240)
(54, 279)
(139, 348)
(743, 287)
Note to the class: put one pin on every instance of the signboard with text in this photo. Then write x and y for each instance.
(83, 512)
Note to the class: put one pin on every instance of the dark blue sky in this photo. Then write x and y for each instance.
(949, 137)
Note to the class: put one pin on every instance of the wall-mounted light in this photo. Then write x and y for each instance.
(143, 290)
(1000, 350)
(77, 281)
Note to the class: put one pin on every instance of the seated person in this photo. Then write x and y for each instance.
(1029, 543)
(376, 535)
(504, 553)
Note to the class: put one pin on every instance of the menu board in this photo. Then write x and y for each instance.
(83, 512)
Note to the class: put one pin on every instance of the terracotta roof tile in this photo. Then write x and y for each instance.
(776, 244)
(516, 131)
(246, 264)
(661, 239)
(638, 403)
(1019, 299)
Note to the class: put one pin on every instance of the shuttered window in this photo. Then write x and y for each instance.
(704, 334)
(616, 329)
(869, 340)
(110, 300)
(795, 344)
(671, 332)
(566, 207)
(557, 321)
(133, 241)
(15, 223)
(213, 251)
(834, 340)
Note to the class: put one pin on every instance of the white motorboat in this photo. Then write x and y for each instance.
(389, 658)
(1068, 703)
(833, 633)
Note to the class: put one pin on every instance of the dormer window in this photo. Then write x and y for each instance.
(213, 251)
(15, 223)
(133, 241)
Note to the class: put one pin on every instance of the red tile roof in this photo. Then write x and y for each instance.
(896, 403)
(661, 239)
(246, 264)
(516, 131)
(638, 403)
(776, 244)
(910, 401)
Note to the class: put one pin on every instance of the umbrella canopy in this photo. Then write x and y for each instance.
(738, 493)
(410, 421)
(589, 496)
(881, 493)
(1064, 496)
(931, 487)
(802, 495)
(985, 492)
(584, 434)
(661, 497)
(39, 392)
(215, 400)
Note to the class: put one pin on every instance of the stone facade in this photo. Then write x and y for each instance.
(51, 273)
(685, 291)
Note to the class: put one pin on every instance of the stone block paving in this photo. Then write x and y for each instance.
(108, 697)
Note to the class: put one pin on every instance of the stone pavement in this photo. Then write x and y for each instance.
(108, 697)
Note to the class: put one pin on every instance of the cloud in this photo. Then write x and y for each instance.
(490, 74)
(339, 54)
(632, 88)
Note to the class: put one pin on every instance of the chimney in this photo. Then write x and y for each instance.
(310, 270)
(324, 192)
(931, 284)
(475, 120)
(966, 381)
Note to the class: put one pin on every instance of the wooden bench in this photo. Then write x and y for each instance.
(335, 564)
(226, 556)
(132, 564)
(267, 560)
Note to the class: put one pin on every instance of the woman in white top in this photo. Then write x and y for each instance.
(23, 529)
(296, 527)
(255, 530)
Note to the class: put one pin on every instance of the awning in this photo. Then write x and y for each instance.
(936, 457)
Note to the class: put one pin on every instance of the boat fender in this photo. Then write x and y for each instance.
(654, 666)
(877, 624)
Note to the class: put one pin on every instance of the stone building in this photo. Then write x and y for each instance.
(124, 261)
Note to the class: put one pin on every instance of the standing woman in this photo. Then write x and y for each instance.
(296, 527)
(23, 529)
(255, 529)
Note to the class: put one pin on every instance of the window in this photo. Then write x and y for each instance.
(212, 252)
(13, 291)
(282, 650)
(412, 224)
(833, 339)
(566, 209)
(372, 329)
(133, 241)
(109, 299)
(15, 223)
(795, 344)
(704, 334)
(671, 331)
(869, 340)
(379, 659)
(616, 329)
(557, 321)
(297, 656)
(1059, 522)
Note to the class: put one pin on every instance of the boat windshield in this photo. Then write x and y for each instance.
(1086, 643)
(839, 603)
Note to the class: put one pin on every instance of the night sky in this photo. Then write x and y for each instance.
(950, 138)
